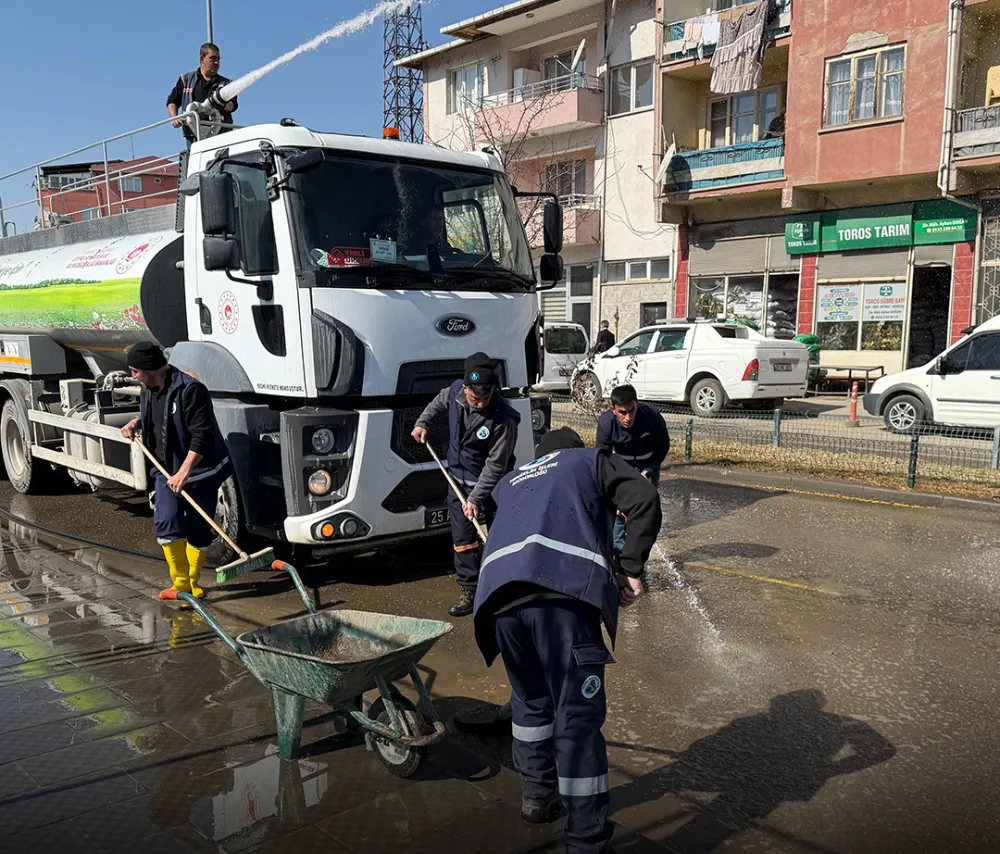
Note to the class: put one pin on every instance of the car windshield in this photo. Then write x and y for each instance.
(405, 223)
(565, 340)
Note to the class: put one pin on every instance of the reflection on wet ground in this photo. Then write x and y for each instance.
(806, 676)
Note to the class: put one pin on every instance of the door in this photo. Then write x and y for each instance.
(259, 325)
(968, 393)
(628, 365)
(565, 348)
(666, 365)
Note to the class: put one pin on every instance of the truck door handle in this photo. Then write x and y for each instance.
(204, 316)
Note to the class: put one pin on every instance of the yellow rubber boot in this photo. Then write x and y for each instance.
(177, 563)
(196, 561)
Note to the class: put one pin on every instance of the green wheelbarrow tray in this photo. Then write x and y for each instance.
(334, 657)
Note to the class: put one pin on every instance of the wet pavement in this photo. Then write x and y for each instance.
(807, 675)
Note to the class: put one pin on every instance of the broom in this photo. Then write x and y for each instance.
(458, 492)
(247, 563)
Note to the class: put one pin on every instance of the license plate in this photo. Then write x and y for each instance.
(435, 518)
(782, 367)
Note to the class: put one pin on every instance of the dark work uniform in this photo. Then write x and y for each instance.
(480, 452)
(174, 420)
(547, 583)
(193, 87)
(644, 446)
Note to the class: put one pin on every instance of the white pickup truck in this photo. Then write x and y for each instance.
(708, 365)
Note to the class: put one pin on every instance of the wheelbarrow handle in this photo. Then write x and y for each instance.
(213, 624)
(281, 566)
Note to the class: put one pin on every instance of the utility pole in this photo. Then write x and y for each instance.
(208, 12)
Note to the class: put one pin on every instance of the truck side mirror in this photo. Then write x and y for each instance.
(221, 253)
(550, 270)
(552, 226)
(218, 215)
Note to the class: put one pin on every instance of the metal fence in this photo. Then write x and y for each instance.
(957, 461)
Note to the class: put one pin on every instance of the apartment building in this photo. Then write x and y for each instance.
(804, 175)
(563, 91)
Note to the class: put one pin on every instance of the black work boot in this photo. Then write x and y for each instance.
(463, 607)
(544, 811)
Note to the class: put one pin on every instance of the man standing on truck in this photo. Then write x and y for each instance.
(482, 430)
(177, 425)
(196, 86)
(549, 581)
(637, 433)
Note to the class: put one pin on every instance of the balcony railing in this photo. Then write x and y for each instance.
(977, 132)
(676, 48)
(726, 166)
(541, 88)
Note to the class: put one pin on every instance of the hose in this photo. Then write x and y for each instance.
(73, 538)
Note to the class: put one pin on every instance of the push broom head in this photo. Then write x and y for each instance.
(257, 562)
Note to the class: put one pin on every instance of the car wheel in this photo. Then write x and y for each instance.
(903, 414)
(707, 398)
(587, 388)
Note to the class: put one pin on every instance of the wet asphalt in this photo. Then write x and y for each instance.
(807, 674)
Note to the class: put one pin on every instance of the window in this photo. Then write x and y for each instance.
(861, 316)
(566, 178)
(865, 87)
(631, 87)
(637, 345)
(466, 87)
(557, 69)
(564, 341)
(670, 340)
(631, 271)
(91, 213)
(652, 312)
(984, 353)
(258, 248)
(733, 297)
(131, 184)
(581, 280)
(745, 117)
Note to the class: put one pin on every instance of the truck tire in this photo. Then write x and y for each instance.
(26, 475)
(229, 516)
(707, 398)
(904, 414)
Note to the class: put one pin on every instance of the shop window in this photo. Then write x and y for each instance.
(765, 303)
(865, 87)
(745, 117)
(652, 312)
(861, 316)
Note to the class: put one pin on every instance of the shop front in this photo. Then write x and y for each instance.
(887, 287)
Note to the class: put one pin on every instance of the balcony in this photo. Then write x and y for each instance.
(977, 132)
(676, 47)
(728, 166)
(560, 104)
(581, 221)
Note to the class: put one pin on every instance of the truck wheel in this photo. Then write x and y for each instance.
(25, 474)
(229, 516)
(707, 398)
(587, 388)
(904, 414)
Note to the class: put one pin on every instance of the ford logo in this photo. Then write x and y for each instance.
(455, 325)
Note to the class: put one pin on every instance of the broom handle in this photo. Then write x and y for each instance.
(458, 492)
(191, 501)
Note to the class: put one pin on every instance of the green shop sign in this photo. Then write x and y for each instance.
(938, 221)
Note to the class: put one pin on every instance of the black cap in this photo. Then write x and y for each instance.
(562, 439)
(146, 356)
(480, 369)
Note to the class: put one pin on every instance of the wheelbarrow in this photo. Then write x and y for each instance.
(335, 657)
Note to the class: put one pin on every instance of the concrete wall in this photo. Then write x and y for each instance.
(822, 29)
(624, 300)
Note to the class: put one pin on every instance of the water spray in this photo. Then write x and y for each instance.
(210, 110)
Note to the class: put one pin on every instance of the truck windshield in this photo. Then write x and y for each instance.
(404, 223)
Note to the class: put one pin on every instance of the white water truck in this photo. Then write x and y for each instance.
(294, 278)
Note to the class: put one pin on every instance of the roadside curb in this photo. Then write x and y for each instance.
(830, 488)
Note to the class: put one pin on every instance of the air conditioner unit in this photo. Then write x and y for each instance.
(523, 78)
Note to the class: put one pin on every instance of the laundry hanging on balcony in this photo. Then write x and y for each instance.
(701, 31)
(739, 56)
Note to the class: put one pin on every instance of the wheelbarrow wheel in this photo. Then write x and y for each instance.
(398, 759)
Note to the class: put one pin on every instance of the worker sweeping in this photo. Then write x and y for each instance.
(177, 426)
(482, 430)
(549, 580)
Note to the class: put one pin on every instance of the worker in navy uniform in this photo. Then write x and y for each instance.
(549, 581)
(637, 433)
(177, 425)
(482, 436)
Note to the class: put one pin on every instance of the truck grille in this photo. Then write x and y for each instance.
(418, 489)
(403, 444)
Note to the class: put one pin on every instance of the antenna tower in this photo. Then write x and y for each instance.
(403, 88)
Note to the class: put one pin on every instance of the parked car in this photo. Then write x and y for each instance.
(566, 345)
(960, 388)
(707, 365)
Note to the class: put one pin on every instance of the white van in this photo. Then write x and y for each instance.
(961, 388)
(566, 345)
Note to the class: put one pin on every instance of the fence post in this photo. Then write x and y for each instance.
(689, 439)
(911, 473)
(777, 427)
(996, 448)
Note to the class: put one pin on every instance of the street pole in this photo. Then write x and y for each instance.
(3, 225)
(208, 12)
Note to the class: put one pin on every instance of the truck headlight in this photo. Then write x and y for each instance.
(323, 441)
(320, 482)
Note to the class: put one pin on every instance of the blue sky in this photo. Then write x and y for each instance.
(76, 71)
